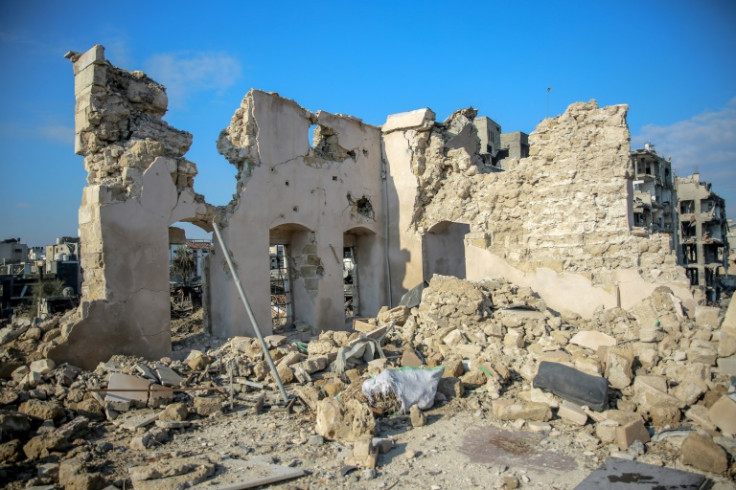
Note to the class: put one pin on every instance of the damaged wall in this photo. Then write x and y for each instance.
(559, 221)
(137, 185)
(307, 197)
(413, 198)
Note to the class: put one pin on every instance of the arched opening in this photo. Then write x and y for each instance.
(293, 272)
(189, 247)
(362, 269)
(444, 250)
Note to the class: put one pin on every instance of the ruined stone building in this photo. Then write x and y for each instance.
(703, 233)
(410, 199)
(654, 199)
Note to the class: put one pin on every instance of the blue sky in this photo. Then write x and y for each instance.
(671, 61)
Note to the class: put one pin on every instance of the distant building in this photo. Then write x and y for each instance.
(62, 261)
(654, 200)
(514, 147)
(12, 251)
(703, 233)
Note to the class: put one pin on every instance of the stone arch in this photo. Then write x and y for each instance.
(443, 250)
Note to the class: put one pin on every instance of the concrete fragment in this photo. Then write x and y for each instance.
(699, 451)
(41, 409)
(122, 401)
(420, 119)
(592, 340)
(573, 413)
(347, 423)
(727, 365)
(664, 415)
(176, 412)
(206, 406)
(618, 368)
(418, 419)
(723, 414)
(699, 415)
(633, 431)
(707, 317)
(42, 366)
(168, 376)
(506, 409)
(364, 454)
(410, 358)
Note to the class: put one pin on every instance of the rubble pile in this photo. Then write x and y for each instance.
(649, 384)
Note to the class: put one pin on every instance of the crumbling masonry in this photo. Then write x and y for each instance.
(413, 198)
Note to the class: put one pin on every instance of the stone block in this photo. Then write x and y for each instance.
(347, 423)
(122, 401)
(206, 406)
(633, 431)
(518, 409)
(42, 366)
(41, 409)
(727, 365)
(419, 119)
(723, 414)
(410, 358)
(592, 340)
(618, 368)
(700, 452)
(702, 351)
(573, 413)
(93, 55)
(418, 419)
(707, 317)
(726, 344)
(699, 415)
(664, 415)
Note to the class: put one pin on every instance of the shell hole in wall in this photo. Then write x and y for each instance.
(310, 135)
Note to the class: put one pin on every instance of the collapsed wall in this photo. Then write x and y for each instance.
(138, 184)
(411, 199)
(558, 221)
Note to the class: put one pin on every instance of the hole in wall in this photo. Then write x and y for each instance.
(310, 135)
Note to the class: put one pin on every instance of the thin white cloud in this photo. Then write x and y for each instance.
(52, 133)
(184, 73)
(22, 205)
(57, 133)
(705, 142)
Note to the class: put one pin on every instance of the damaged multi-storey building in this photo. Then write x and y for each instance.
(410, 199)
(703, 234)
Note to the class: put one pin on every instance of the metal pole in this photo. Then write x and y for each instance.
(252, 318)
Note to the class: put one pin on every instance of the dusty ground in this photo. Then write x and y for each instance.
(461, 446)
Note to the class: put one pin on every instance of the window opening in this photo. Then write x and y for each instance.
(281, 309)
(350, 283)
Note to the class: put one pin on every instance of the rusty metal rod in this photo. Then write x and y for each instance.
(241, 292)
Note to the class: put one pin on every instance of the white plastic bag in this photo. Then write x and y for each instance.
(412, 386)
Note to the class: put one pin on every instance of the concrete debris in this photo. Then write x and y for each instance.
(581, 330)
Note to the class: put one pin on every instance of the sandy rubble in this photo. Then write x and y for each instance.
(670, 400)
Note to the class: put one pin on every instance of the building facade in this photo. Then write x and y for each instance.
(654, 199)
(702, 233)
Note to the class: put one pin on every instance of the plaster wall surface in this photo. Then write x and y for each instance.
(309, 196)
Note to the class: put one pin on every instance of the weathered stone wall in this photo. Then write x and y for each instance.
(307, 198)
(562, 212)
(138, 184)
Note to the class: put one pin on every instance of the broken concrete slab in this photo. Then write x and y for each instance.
(573, 413)
(420, 119)
(125, 391)
(623, 473)
(505, 409)
(592, 340)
